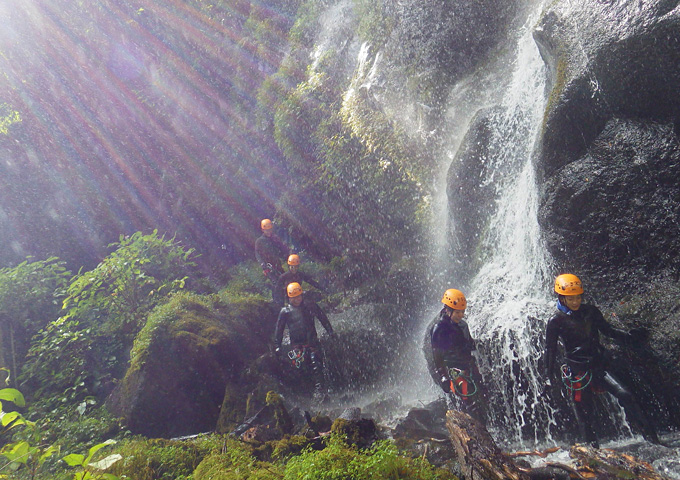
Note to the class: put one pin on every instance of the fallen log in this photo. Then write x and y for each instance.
(478, 455)
(480, 458)
(608, 464)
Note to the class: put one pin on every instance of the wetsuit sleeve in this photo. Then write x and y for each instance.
(258, 253)
(283, 248)
(280, 326)
(323, 318)
(607, 329)
(309, 280)
(437, 353)
(551, 335)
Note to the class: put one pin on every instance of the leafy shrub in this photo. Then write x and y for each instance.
(30, 297)
(76, 354)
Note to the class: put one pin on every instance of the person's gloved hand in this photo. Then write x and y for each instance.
(445, 383)
(638, 335)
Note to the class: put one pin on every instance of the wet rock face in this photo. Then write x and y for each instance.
(470, 192)
(606, 59)
(450, 36)
(615, 210)
(609, 150)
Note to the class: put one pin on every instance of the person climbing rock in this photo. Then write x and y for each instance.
(306, 350)
(294, 275)
(578, 326)
(452, 347)
(270, 251)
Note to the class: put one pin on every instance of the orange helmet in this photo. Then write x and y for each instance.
(266, 224)
(455, 299)
(294, 259)
(568, 284)
(294, 289)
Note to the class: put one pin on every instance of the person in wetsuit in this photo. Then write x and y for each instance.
(299, 317)
(270, 251)
(294, 275)
(452, 347)
(578, 326)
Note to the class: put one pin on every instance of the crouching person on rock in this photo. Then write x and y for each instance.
(452, 347)
(306, 353)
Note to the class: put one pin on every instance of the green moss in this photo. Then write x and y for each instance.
(557, 90)
(322, 423)
(183, 309)
(235, 462)
(360, 432)
(282, 450)
(380, 462)
(375, 26)
(283, 421)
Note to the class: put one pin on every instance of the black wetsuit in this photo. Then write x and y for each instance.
(300, 322)
(270, 252)
(452, 344)
(580, 331)
(302, 330)
(452, 347)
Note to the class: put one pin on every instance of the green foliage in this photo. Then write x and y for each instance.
(245, 279)
(8, 117)
(147, 459)
(27, 453)
(236, 462)
(87, 469)
(30, 297)
(73, 355)
(130, 281)
(338, 461)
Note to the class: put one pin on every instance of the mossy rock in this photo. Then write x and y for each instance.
(190, 350)
(362, 432)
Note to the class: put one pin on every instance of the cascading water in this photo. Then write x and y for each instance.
(509, 291)
(510, 294)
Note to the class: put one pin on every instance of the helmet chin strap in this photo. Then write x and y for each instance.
(563, 308)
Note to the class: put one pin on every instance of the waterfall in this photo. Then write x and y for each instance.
(510, 291)
(509, 296)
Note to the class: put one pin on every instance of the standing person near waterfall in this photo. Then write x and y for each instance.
(578, 326)
(269, 252)
(452, 347)
(306, 350)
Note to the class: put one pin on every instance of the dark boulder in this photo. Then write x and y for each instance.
(612, 215)
(190, 349)
(606, 59)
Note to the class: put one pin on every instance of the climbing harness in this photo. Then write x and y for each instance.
(461, 384)
(297, 356)
(576, 383)
(300, 354)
